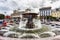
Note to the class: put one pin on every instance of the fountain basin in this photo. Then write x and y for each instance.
(26, 29)
(29, 35)
(31, 25)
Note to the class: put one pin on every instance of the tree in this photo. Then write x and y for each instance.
(2, 16)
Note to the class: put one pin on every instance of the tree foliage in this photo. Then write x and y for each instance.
(2, 16)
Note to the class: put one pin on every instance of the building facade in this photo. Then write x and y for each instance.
(56, 13)
(45, 11)
(16, 15)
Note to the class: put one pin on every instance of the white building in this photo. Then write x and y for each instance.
(45, 11)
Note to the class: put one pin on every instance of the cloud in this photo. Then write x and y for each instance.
(56, 4)
(10, 5)
(23, 4)
(7, 5)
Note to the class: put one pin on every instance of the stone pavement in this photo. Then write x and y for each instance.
(6, 38)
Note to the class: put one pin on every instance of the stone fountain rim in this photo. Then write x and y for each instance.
(25, 34)
(26, 29)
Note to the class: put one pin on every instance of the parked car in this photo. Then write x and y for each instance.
(6, 28)
(56, 31)
(10, 23)
(1, 23)
(47, 23)
(9, 26)
(52, 25)
(42, 22)
(17, 22)
(57, 24)
(56, 37)
(2, 31)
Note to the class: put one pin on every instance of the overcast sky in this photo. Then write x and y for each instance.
(7, 6)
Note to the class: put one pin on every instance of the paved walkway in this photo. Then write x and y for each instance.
(6, 38)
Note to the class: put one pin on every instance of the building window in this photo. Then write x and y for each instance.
(49, 12)
(45, 12)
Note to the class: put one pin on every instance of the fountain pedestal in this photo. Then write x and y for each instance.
(30, 17)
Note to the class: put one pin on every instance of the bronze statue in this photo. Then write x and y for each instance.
(30, 17)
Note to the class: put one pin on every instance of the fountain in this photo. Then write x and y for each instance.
(29, 22)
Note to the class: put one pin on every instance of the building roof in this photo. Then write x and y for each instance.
(45, 8)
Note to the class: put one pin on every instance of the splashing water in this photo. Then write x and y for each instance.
(37, 23)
